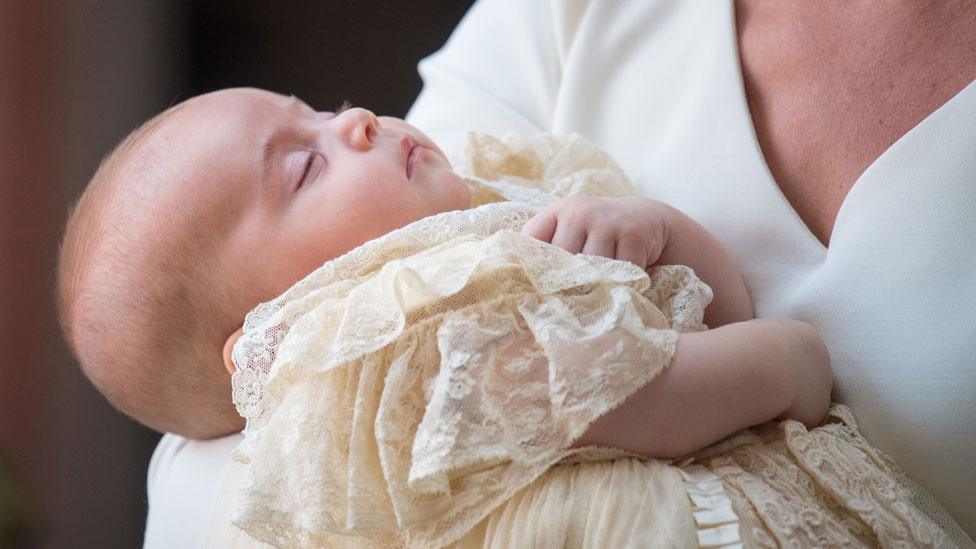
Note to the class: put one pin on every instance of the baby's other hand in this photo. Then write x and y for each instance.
(632, 229)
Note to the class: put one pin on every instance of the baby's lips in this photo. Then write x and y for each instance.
(408, 145)
(417, 157)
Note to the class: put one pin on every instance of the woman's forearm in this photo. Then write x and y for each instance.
(721, 381)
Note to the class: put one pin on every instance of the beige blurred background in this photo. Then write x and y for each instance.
(75, 77)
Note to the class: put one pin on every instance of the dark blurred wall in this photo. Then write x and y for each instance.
(23, 135)
(75, 78)
(364, 51)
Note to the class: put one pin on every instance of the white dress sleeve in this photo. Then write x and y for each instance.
(183, 483)
(499, 72)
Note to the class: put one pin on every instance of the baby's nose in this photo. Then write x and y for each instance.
(359, 127)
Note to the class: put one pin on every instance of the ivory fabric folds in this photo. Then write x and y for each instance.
(423, 390)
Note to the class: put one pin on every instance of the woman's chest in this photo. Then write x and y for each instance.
(829, 92)
(675, 115)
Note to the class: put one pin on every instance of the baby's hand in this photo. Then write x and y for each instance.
(632, 229)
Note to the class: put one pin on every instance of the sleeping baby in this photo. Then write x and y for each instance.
(423, 352)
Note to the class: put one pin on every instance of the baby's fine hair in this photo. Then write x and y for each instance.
(144, 318)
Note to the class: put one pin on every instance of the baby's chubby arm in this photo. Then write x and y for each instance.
(721, 381)
(646, 232)
(743, 372)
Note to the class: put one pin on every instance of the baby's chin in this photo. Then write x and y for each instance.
(456, 192)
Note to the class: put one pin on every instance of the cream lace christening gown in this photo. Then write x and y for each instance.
(423, 390)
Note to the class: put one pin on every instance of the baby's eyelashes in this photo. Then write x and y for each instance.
(314, 164)
(301, 167)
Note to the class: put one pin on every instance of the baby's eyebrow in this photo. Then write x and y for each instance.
(277, 137)
(299, 106)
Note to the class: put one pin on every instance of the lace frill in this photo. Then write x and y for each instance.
(774, 485)
(404, 390)
(423, 389)
(423, 394)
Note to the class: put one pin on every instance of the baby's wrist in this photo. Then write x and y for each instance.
(812, 378)
(665, 221)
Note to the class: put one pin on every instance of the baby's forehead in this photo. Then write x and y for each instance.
(181, 171)
(196, 131)
(238, 106)
(195, 164)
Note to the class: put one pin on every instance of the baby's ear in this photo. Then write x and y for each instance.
(229, 349)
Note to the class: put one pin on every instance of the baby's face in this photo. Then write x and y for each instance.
(288, 188)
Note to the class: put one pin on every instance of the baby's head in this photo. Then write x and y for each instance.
(218, 204)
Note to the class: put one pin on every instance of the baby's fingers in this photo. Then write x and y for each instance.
(600, 243)
(542, 226)
(569, 236)
(632, 249)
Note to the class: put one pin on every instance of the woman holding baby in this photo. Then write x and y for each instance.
(829, 150)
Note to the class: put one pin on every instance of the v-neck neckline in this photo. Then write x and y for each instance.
(859, 182)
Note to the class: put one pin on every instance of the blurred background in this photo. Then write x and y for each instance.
(75, 78)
